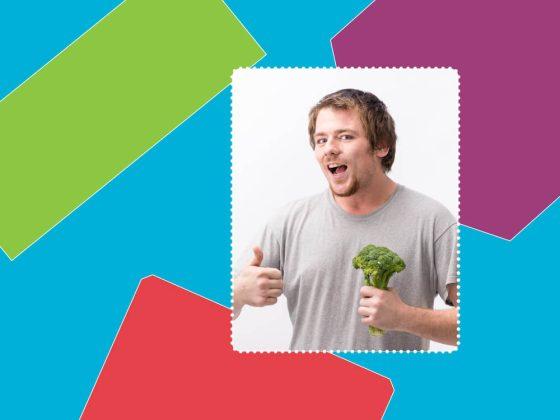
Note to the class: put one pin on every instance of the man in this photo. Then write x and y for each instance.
(306, 251)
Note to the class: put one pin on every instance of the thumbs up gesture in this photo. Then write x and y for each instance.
(256, 285)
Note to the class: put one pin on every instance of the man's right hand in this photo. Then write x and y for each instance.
(256, 285)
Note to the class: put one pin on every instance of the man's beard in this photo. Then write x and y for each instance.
(354, 187)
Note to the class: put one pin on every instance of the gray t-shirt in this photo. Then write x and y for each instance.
(312, 241)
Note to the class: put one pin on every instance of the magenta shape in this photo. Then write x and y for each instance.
(507, 56)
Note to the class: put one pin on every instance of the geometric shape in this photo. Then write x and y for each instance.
(509, 91)
(104, 101)
(172, 358)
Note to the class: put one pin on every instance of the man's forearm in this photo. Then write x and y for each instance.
(436, 325)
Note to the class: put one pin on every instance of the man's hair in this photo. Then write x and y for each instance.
(376, 120)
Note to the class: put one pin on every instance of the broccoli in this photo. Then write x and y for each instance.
(378, 264)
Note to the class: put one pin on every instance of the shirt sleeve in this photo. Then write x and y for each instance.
(445, 256)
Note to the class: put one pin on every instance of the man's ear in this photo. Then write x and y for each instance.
(381, 152)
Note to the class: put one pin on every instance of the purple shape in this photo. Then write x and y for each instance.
(507, 57)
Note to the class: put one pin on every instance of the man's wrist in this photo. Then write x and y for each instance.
(237, 302)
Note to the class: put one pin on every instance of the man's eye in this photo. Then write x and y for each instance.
(321, 141)
(346, 137)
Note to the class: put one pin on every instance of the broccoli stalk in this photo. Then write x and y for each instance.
(378, 264)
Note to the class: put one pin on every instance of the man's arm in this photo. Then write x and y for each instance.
(437, 325)
(385, 309)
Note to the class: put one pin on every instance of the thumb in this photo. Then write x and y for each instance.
(257, 257)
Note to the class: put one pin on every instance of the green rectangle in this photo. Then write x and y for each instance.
(105, 101)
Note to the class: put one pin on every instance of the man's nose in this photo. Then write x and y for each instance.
(331, 148)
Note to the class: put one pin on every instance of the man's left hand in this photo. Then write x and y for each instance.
(382, 308)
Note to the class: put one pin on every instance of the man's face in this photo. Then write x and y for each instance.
(343, 151)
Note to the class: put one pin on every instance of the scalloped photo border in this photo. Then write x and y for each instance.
(458, 228)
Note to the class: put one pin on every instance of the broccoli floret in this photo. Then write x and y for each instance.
(378, 263)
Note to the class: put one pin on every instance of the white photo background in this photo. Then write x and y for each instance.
(273, 164)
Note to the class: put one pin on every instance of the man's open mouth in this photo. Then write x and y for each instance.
(337, 168)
